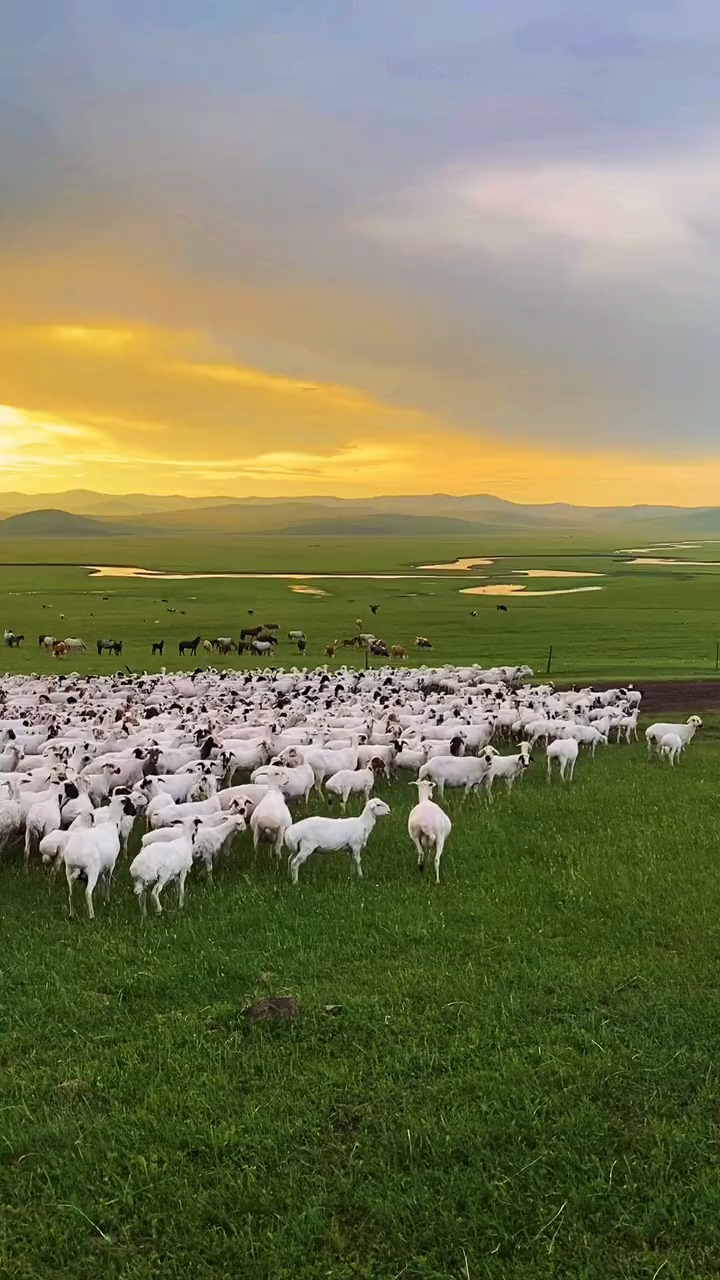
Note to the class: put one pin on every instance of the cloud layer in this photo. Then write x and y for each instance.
(308, 248)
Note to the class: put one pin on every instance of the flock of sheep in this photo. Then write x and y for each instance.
(198, 759)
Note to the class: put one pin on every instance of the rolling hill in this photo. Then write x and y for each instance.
(54, 523)
(82, 513)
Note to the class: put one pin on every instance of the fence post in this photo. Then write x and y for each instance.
(549, 661)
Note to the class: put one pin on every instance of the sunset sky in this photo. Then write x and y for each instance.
(285, 247)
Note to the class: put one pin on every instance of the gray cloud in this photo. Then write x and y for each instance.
(323, 189)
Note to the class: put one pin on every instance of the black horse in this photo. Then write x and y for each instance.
(189, 646)
(158, 646)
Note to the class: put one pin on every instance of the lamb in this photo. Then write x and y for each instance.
(686, 732)
(159, 864)
(214, 841)
(270, 820)
(671, 747)
(428, 826)
(509, 768)
(354, 782)
(565, 751)
(331, 835)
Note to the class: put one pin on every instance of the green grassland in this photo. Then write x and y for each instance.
(645, 621)
(522, 1080)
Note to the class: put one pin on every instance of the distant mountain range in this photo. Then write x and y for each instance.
(83, 513)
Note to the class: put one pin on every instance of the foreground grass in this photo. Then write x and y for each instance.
(522, 1080)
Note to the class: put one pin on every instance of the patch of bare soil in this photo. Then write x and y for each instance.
(671, 695)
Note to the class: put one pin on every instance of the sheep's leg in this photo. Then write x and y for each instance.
(140, 895)
(70, 882)
(155, 895)
(549, 769)
(355, 855)
(181, 889)
(420, 852)
(439, 846)
(28, 848)
(298, 859)
(89, 896)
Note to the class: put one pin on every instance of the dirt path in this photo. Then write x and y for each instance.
(670, 695)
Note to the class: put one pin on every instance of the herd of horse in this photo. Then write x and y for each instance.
(259, 640)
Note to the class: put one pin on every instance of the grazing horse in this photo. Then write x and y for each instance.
(189, 646)
(46, 642)
(250, 632)
(60, 649)
(302, 645)
(111, 646)
(398, 651)
(223, 644)
(158, 646)
(14, 641)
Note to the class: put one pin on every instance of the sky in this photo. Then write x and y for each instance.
(286, 247)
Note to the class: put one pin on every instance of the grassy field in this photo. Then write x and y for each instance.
(521, 1082)
(661, 621)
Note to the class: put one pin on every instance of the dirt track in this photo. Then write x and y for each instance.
(670, 695)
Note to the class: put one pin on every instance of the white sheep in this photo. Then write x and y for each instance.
(214, 840)
(428, 826)
(456, 771)
(508, 768)
(565, 751)
(158, 865)
(686, 732)
(352, 782)
(172, 812)
(331, 835)
(270, 820)
(671, 747)
(91, 853)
